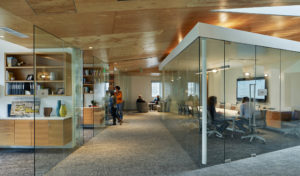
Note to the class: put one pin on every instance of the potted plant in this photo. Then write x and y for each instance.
(94, 103)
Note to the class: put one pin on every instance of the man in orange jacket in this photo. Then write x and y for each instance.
(119, 98)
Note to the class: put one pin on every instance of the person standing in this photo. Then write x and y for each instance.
(113, 107)
(119, 100)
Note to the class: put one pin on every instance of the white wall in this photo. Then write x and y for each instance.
(133, 86)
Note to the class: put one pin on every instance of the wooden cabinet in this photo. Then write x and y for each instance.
(93, 116)
(7, 132)
(274, 118)
(24, 132)
(46, 133)
(41, 132)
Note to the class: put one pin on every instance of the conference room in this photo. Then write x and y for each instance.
(260, 78)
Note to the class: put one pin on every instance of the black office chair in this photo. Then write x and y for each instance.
(212, 128)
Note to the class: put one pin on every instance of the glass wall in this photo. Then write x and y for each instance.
(57, 101)
(95, 78)
(181, 87)
(252, 100)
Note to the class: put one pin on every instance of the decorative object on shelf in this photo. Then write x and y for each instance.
(42, 93)
(58, 108)
(47, 111)
(30, 77)
(60, 91)
(12, 78)
(25, 108)
(20, 63)
(11, 61)
(43, 76)
(63, 109)
(86, 72)
(8, 110)
(52, 76)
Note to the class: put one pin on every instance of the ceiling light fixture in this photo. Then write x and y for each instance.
(90, 47)
(266, 75)
(247, 74)
(1, 36)
(13, 32)
(214, 70)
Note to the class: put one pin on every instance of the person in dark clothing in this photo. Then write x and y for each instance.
(113, 107)
(140, 99)
(220, 123)
(156, 100)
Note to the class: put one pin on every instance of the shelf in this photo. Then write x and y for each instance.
(20, 95)
(88, 84)
(50, 81)
(20, 67)
(48, 67)
(19, 81)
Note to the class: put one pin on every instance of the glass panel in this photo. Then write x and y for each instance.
(100, 100)
(181, 100)
(288, 124)
(57, 102)
(216, 122)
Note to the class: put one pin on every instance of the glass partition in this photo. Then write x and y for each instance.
(57, 102)
(252, 99)
(239, 77)
(181, 91)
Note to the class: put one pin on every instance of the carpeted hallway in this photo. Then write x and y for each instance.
(141, 146)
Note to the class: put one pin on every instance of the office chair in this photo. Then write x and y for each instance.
(212, 128)
(252, 126)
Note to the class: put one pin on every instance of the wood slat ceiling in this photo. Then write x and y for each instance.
(120, 31)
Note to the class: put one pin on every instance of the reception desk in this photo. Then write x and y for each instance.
(43, 131)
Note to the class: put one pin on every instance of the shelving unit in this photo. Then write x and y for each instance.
(50, 71)
(89, 75)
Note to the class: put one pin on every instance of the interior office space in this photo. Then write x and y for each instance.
(61, 59)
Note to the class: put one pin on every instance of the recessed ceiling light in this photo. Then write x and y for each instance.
(1, 36)
(266, 75)
(90, 47)
(13, 32)
(247, 74)
(214, 70)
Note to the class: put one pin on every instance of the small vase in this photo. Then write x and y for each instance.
(58, 108)
(63, 110)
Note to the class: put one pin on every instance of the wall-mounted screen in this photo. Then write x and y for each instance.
(245, 85)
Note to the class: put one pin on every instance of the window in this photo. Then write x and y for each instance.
(193, 88)
(156, 89)
(106, 86)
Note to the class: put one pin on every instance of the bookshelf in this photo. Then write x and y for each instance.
(90, 73)
(25, 73)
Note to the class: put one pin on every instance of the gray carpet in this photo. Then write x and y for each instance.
(280, 163)
(141, 146)
(23, 162)
(186, 131)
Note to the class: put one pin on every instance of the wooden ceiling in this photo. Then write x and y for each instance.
(136, 34)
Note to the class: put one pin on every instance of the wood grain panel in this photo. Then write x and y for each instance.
(24, 132)
(55, 132)
(7, 132)
(67, 131)
(41, 132)
(88, 116)
(121, 30)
